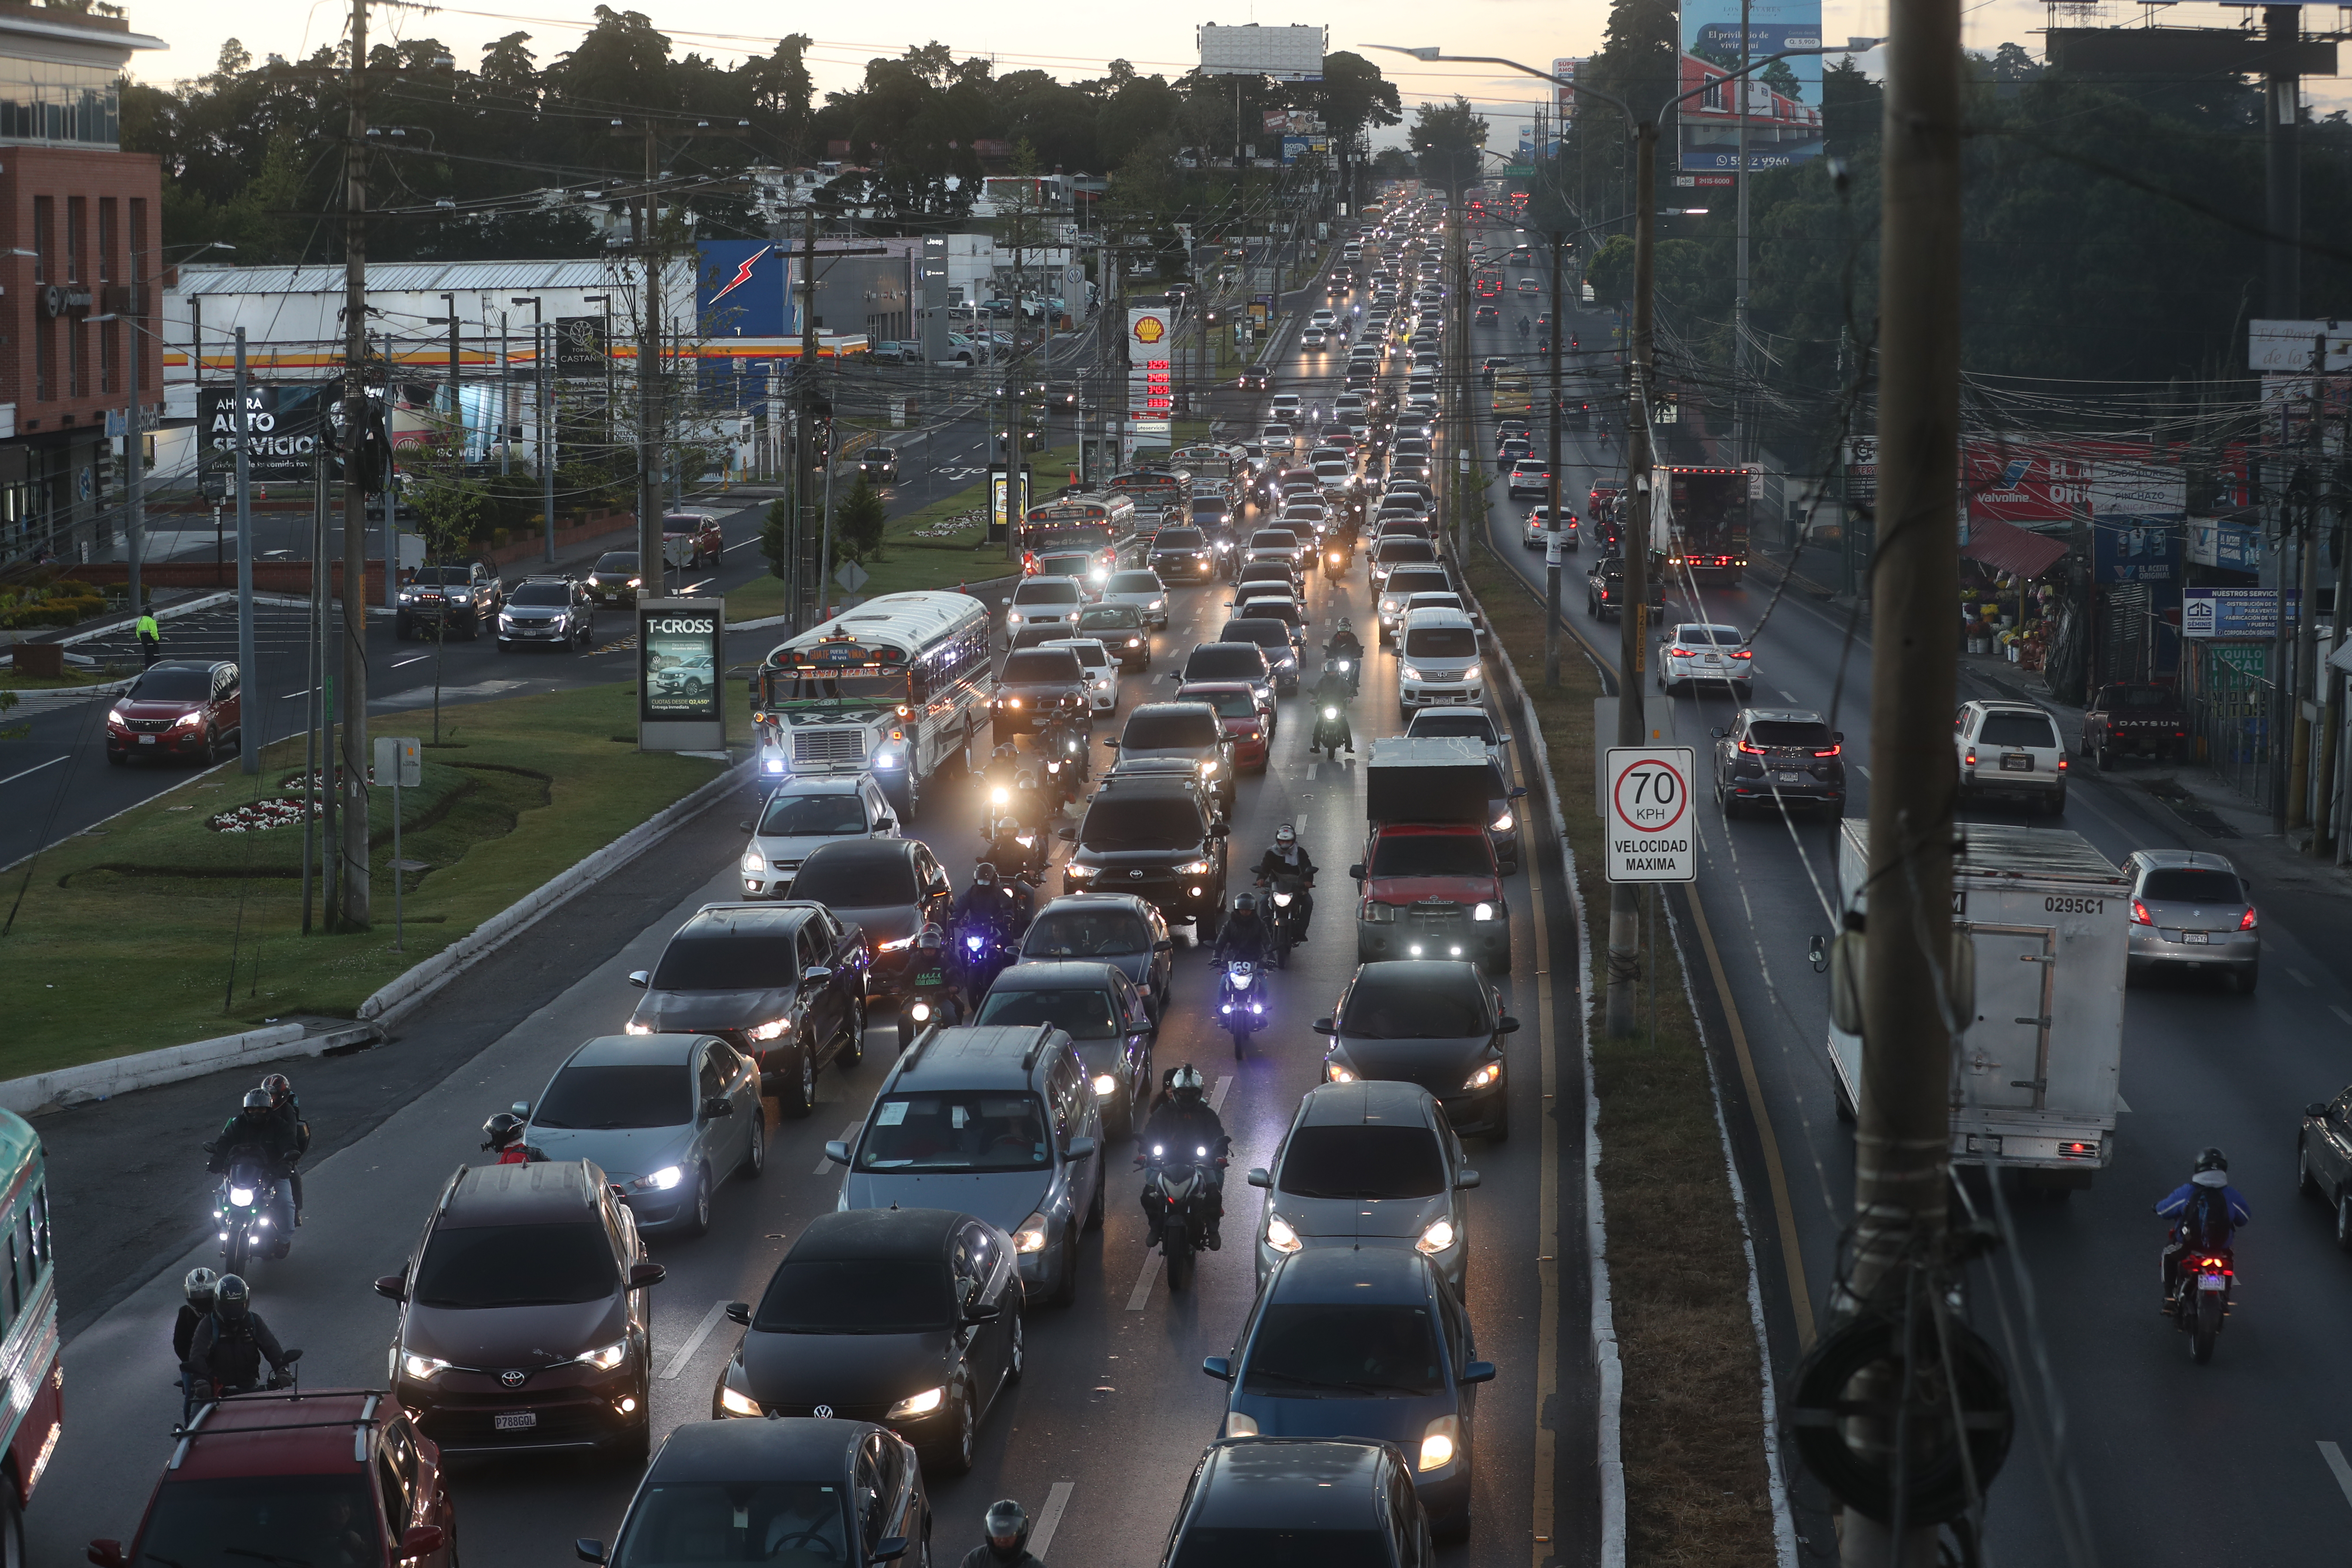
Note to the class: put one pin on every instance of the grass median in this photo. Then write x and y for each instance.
(1696, 1490)
(204, 926)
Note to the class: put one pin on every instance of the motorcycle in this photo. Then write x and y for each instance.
(276, 1383)
(1352, 665)
(245, 1207)
(1241, 1002)
(1288, 907)
(1016, 850)
(1180, 1198)
(1337, 558)
(930, 998)
(1330, 732)
(2201, 1302)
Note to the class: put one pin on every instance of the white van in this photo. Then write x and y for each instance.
(1437, 660)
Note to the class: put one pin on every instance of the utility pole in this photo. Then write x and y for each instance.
(1552, 516)
(808, 543)
(542, 358)
(456, 396)
(1739, 431)
(2283, 164)
(2329, 841)
(249, 736)
(652, 570)
(1902, 1140)
(2307, 623)
(352, 804)
(1634, 614)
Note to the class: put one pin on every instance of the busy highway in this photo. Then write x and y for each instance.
(1101, 1436)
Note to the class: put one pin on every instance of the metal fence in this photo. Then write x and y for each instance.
(2233, 710)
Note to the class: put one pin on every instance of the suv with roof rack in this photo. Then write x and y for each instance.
(547, 610)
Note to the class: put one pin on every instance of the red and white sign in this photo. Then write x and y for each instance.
(1652, 830)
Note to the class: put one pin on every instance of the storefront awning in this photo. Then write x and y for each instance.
(2005, 547)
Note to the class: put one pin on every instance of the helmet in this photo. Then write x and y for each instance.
(231, 1297)
(983, 875)
(280, 1087)
(1008, 1526)
(257, 1102)
(501, 1129)
(1185, 1082)
(1245, 907)
(2212, 1159)
(931, 936)
(1343, 622)
(200, 1285)
(1286, 835)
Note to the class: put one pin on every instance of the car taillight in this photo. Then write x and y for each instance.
(2246, 921)
(1752, 750)
(1833, 752)
(2140, 914)
(1743, 653)
(1972, 758)
(1679, 652)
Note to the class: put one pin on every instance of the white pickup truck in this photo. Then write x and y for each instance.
(2040, 1059)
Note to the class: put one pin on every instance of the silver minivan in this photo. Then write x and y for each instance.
(1437, 660)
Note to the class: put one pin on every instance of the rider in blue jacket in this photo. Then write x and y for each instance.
(2205, 1210)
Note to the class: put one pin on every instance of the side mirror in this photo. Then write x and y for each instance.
(744, 826)
(1838, 736)
(884, 824)
(1717, 733)
(588, 1550)
(1465, 1178)
(1517, 790)
(1112, 740)
(393, 1287)
(816, 973)
(982, 1313)
(1067, 835)
(1218, 830)
(1005, 602)
(889, 1549)
(2316, 1109)
(1219, 1367)
(739, 1312)
(1258, 1177)
(1477, 1371)
(1357, 870)
(108, 1553)
(837, 1151)
(1079, 1149)
(1163, 945)
(1329, 1025)
(640, 978)
(644, 1274)
(717, 1105)
(423, 1541)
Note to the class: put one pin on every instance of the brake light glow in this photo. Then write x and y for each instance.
(1752, 750)
(2247, 921)
(1833, 752)
(2140, 914)
(1679, 652)
(1743, 653)
(1972, 758)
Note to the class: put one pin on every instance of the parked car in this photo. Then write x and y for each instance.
(1003, 1122)
(177, 708)
(1368, 1163)
(1292, 1500)
(887, 888)
(792, 1490)
(1118, 928)
(523, 1325)
(450, 598)
(545, 612)
(665, 1117)
(2010, 749)
(804, 812)
(780, 981)
(1435, 1022)
(2191, 910)
(904, 1317)
(615, 579)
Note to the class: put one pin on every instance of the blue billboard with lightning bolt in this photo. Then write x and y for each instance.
(743, 290)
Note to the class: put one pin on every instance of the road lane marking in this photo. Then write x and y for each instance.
(2339, 1009)
(822, 1163)
(2336, 1466)
(29, 772)
(2300, 978)
(411, 658)
(1546, 1503)
(1049, 1518)
(694, 1341)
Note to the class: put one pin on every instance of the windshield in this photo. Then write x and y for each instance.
(1180, 539)
(956, 1130)
(834, 686)
(602, 1098)
(857, 881)
(1362, 1162)
(1401, 547)
(1415, 1006)
(1046, 591)
(1272, 539)
(713, 958)
(171, 685)
(2192, 886)
(1068, 564)
(856, 1295)
(1082, 1014)
(1042, 667)
(540, 594)
(1167, 732)
(1132, 583)
(442, 576)
(616, 561)
(1440, 641)
(1257, 629)
(812, 816)
(467, 1267)
(1155, 822)
(1432, 855)
(1313, 1350)
(1110, 618)
(1474, 725)
(1085, 933)
(252, 1522)
(2016, 730)
(797, 1524)
(1228, 705)
(1788, 733)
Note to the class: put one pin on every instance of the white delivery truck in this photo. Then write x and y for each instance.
(2037, 1077)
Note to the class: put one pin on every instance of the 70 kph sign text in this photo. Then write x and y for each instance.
(1651, 827)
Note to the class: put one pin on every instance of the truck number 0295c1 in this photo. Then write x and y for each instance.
(2058, 905)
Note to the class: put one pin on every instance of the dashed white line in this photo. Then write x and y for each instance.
(848, 1133)
(694, 1341)
(411, 658)
(2299, 977)
(29, 772)
(2337, 1467)
(1049, 1518)
(2340, 1011)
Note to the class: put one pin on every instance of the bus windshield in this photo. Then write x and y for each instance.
(859, 687)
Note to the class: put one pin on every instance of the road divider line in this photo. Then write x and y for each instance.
(29, 772)
(2339, 1009)
(1049, 1518)
(825, 1163)
(2300, 978)
(2338, 1466)
(694, 1341)
(1141, 1294)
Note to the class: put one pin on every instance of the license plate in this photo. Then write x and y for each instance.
(2200, 937)
(1791, 778)
(146, 740)
(2017, 762)
(2209, 1282)
(515, 1420)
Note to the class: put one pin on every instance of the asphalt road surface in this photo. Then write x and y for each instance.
(1114, 1410)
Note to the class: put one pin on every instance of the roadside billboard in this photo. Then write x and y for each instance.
(281, 430)
(1286, 53)
(1782, 102)
(2057, 480)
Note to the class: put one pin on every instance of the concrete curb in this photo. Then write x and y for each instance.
(417, 983)
(172, 1063)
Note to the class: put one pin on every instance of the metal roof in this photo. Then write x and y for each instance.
(398, 277)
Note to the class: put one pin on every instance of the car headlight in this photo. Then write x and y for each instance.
(1504, 822)
(1483, 912)
(1031, 1237)
(1157, 605)
(506, 622)
(1437, 1443)
(407, 596)
(423, 1368)
(1075, 869)
(769, 1030)
(606, 1358)
(1193, 869)
(1437, 1237)
(1280, 1236)
(636, 582)
(1104, 1085)
(921, 1403)
(753, 862)
(1379, 914)
(634, 1028)
(1334, 1073)
(1409, 673)
(1240, 1425)
(736, 1404)
(1492, 1072)
(659, 1181)
(1208, 768)
(901, 945)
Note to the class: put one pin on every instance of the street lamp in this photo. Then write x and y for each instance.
(1624, 910)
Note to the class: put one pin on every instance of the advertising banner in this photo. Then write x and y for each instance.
(281, 428)
(2135, 549)
(1782, 102)
(1295, 147)
(579, 346)
(743, 287)
(680, 663)
(2054, 481)
(1286, 53)
(2234, 612)
(1565, 96)
(2232, 546)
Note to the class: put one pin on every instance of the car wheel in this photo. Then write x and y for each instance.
(698, 1214)
(1095, 1209)
(2305, 1183)
(2344, 1220)
(955, 1454)
(211, 753)
(1500, 965)
(118, 758)
(1016, 1354)
(755, 1158)
(636, 1444)
(1500, 1133)
(504, 647)
(2057, 806)
(853, 1047)
(1065, 1288)
(799, 1097)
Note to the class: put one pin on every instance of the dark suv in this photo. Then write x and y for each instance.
(523, 1326)
(454, 598)
(1190, 733)
(1779, 757)
(1183, 554)
(177, 708)
(547, 612)
(1035, 683)
(1157, 835)
(781, 982)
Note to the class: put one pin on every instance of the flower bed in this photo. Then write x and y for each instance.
(258, 817)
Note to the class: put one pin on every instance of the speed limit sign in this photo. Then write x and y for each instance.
(1651, 827)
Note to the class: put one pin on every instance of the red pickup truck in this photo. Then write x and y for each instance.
(1429, 885)
(2136, 720)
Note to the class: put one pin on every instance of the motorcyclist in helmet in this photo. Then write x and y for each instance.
(992, 903)
(1289, 857)
(1004, 848)
(1333, 689)
(2206, 1212)
(288, 1109)
(229, 1346)
(504, 1133)
(257, 1132)
(1182, 1122)
(1244, 938)
(199, 1284)
(1344, 644)
(1007, 1546)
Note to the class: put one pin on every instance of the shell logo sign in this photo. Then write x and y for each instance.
(1148, 329)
